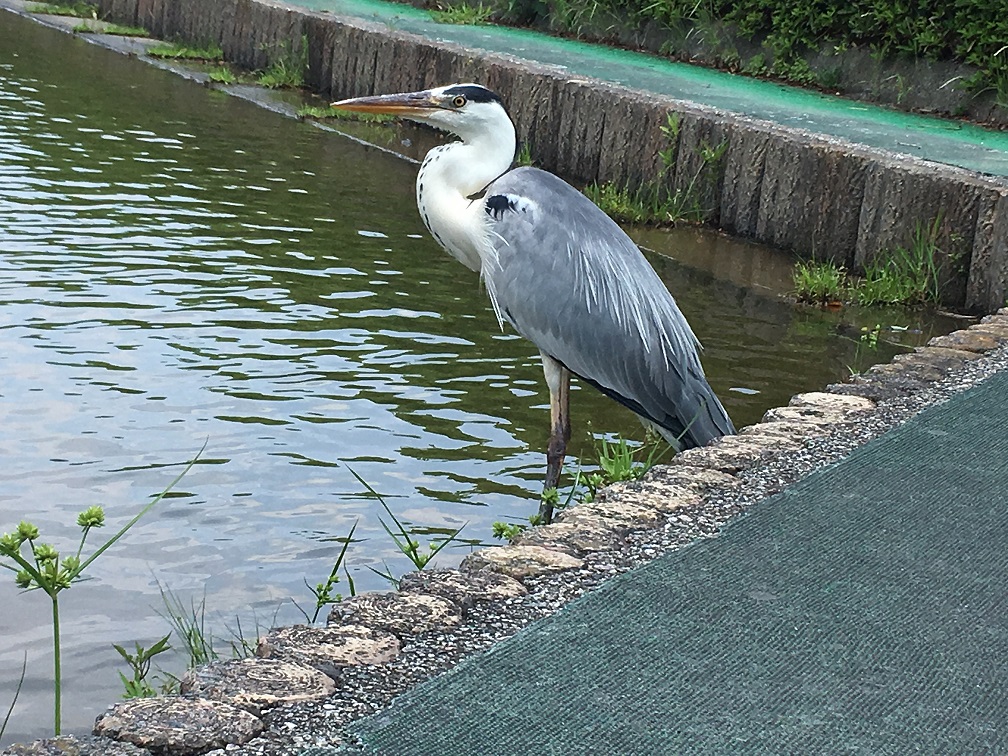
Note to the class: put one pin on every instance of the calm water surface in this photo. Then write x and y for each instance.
(178, 267)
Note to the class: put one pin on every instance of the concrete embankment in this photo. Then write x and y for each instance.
(813, 195)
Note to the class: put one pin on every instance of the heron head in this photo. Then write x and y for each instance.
(469, 111)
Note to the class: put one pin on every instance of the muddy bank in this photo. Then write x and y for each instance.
(809, 194)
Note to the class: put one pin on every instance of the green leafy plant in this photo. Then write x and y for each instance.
(464, 14)
(140, 663)
(620, 461)
(867, 343)
(908, 275)
(524, 156)
(180, 51)
(77, 10)
(114, 29)
(508, 531)
(657, 201)
(323, 592)
(328, 113)
(222, 75)
(17, 693)
(402, 537)
(39, 566)
(819, 282)
(287, 69)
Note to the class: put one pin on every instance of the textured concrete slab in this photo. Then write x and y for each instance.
(178, 725)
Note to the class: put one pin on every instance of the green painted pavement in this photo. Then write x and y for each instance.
(863, 610)
(945, 141)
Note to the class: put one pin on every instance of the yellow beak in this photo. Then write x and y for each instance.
(405, 104)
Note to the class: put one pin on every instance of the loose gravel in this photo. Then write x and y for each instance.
(366, 690)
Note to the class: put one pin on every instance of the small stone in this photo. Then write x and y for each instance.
(792, 431)
(330, 648)
(463, 589)
(68, 745)
(657, 494)
(254, 684)
(945, 356)
(402, 614)
(617, 505)
(581, 534)
(775, 443)
(818, 408)
(730, 454)
(967, 340)
(830, 402)
(519, 561)
(883, 382)
(996, 329)
(931, 363)
(177, 725)
(697, 480)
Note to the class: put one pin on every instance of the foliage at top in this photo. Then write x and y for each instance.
(968, 31)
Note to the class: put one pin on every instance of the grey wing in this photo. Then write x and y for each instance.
(570, 280)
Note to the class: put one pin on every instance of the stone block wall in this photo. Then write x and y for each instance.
(813, 195)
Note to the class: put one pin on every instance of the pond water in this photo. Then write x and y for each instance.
(180, 268)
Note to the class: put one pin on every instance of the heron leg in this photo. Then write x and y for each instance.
(558, 380)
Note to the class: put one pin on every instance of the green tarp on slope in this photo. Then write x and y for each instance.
(864, 610)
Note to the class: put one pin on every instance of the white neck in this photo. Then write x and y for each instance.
(454, 172)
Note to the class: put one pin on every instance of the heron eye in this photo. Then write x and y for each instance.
(458, 101)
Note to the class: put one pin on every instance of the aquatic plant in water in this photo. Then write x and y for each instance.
(40, 566)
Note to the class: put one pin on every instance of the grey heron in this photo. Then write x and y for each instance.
(558, 270)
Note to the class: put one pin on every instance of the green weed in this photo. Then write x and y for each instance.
(621, 203)
(190, 628)
(140, 662)
(77, 10)
(655, 202)
(907, 275)
(464, 14)
(323, 592)
(222, 75)
(620, 461)
(179, 51)
(508, 531)
(524, 156)
(39, 566)
(323, 113)
(819, 283)
(17, 693)
(867, 343)
(287, 69)
(402, 537)
(115, 29)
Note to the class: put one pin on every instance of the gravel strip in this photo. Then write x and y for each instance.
(367, 689)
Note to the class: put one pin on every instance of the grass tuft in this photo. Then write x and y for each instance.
(222, 75)
(117, 30)
(325, 113)
(907, 275)
(184, 52)
(656, 202)
(464, 14)
(77, 10)
(819, 283)
(287, 69)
